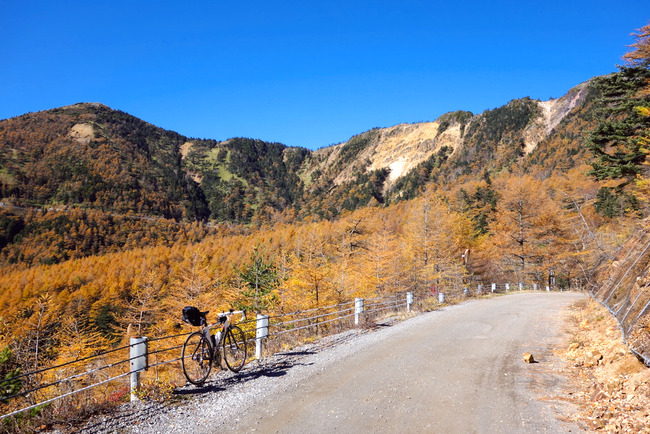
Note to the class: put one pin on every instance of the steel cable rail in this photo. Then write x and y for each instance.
(164, 350)
(310, 310)
(73, 392)
(308, 318)
(375, 304)
(387, 303)
(382, 302)
(15, 412)
(82, 374)
(72, 377)
(311, 318)
(384, 306)
(505, 287)
(162, 338)
(311, 325)
(177, 359)
(375, 301)
(39, 371)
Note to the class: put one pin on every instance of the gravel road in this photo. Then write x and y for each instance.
(458, 369)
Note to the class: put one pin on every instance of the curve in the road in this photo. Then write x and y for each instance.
(455, 370)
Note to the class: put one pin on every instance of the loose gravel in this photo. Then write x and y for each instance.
(214, 406)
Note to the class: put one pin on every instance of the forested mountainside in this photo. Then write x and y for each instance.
(109, 224)
(91, 156)
(86, 179)
(107, 221)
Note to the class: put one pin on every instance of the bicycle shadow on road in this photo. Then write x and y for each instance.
(212, 386)
(273, 369)
(252, 371)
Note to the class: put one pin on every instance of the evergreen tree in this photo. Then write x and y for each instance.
(9, 370)
(258, 281)
(618, 141)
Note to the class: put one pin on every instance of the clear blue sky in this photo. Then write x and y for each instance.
(300, 72)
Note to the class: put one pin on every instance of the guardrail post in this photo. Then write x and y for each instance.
(261, 332)
(409, 301)
(358, 309)
(139, 362)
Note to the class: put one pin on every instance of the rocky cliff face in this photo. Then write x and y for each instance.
(513, 130)
(552, 113)
(399, 148)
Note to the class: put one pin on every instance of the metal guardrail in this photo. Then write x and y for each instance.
(264, 327)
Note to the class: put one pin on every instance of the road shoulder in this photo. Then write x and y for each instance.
(609, 385)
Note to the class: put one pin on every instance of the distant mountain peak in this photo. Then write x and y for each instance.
(87, 105)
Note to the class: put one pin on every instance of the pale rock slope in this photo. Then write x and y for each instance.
(402, 147)
(553, 111)
(399, 148)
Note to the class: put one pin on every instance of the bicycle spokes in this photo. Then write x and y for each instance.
(196, 358)
(234, 349)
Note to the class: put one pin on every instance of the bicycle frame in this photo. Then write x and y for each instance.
(225, 326)
(228, 345)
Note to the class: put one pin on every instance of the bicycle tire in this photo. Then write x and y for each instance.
(196, 358)
(234, 349)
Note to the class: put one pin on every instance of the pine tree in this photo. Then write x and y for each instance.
(618, 141)
(258, 281)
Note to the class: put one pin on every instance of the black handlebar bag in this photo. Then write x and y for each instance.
(193, 316)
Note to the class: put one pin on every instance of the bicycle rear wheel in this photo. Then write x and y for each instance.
(196, 358)
(234, 349)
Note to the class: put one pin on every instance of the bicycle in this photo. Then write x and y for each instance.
(202, 349)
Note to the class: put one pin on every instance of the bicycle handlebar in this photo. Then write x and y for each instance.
(234, 312)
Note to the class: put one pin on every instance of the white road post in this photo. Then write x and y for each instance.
(521, 286)
(261, 332)
(494, 287)
(358, 309)
(507, 287)
(409, 301)
(139, 362)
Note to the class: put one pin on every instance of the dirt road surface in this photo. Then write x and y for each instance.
(459, 369)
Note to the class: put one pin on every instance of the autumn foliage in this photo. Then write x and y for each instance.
(84, 264)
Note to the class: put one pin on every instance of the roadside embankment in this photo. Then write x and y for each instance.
(609, 384)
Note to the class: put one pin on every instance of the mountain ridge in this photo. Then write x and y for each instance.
(418, 141)
(79, 148)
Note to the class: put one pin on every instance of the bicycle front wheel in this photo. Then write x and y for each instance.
(196, 358)
(234, 349)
